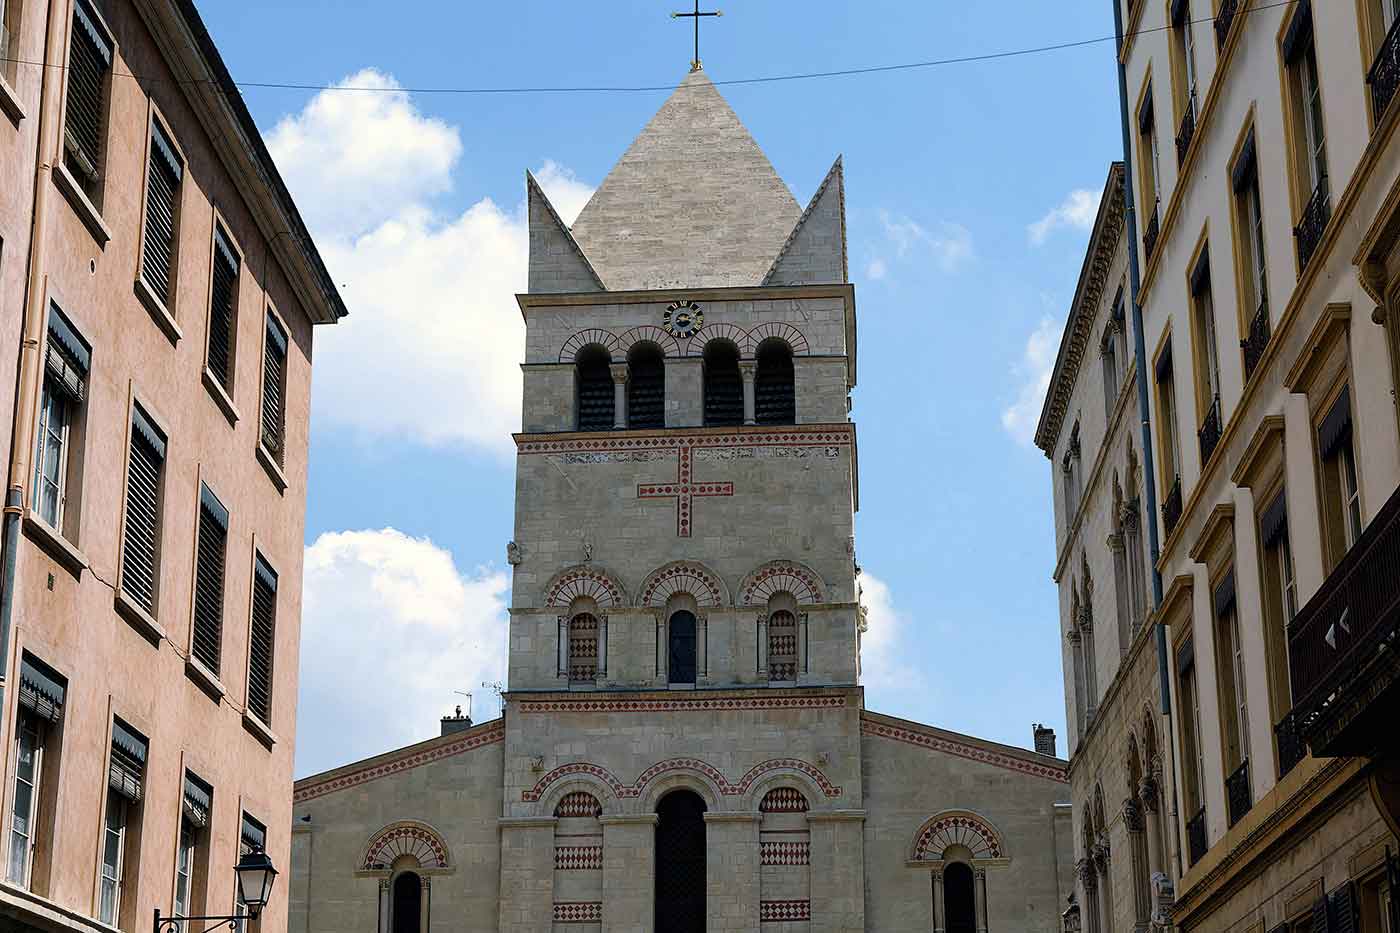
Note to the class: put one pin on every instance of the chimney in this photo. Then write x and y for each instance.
(1044, 738)
(459, 723)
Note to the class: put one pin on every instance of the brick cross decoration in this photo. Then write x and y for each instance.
(684, 490)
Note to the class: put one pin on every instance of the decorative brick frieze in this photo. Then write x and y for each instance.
(785, 853)
(578, 912)
(986, 756)
(405, 838)
(726, 787)
(579, 803)
(783, 800)
(578, 858)
(747, 341)
(837, 435)
(463, 742)
(585, 580)
(963, 829)
(783, 911)
(683, 576)
(679, 706)
(781, 576)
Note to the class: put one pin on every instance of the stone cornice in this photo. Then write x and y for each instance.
(973, 749)
(403, 759)
(820, 435)
(1077, 337)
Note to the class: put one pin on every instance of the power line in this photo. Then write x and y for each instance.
(764, 79)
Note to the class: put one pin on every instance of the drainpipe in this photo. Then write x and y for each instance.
(31, 336)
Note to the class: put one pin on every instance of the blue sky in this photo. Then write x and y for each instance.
(969, 192)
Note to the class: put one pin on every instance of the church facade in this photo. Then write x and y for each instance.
(684, 744)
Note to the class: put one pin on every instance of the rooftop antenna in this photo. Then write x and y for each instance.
(495, 686)
(469, 702)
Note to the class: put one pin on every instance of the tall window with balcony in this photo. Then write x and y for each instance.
(1230, 689)
(41, 696)
(1183, 54)
(1341, 488)
(1207, 357)
(1250, 255)
(1168, 441)
(1381, 35)
(1192, 762)
(1307, 136)
(1280, 590)
(85, 107)
(1150, 170)
(67, 358)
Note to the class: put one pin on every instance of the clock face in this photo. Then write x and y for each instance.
(684, 319)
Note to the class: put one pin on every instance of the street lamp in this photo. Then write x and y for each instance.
(255, 876)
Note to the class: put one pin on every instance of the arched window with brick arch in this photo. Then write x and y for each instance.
(785, 856)
(774, 395)
(583, 642)
(593, 377)
(781, 640)
(724, 387)
(646, 386)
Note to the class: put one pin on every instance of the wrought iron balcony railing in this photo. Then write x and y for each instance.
(1187, 130)
(1384, 76)
(1258, 339)
(1149, 233)
(1196, 836)
(1342, 647)
(1291, 748)
(1209, 434)
(1237, 794)
(1308, 233)
(1171, 507)
(1224, 19)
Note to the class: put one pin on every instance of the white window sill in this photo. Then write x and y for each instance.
(207, 680)
(259, 729)
(159, 312)
(9, 103)
(274, 472)
(54, 543)
(87, 212)
(140, 619)
(221, 397)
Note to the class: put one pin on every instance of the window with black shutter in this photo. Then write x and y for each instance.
(141, 538)
(724, 387)
(85, 114)
(223, 304)
(252, 836)
(646, 387)
(163, 175)
(67, 358)
(260, 641)
(274, 389)
(127, 766)
(595, 389)
(212, 546)
(774, 395)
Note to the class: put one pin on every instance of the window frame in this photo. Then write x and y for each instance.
(121, 806)
(1305, 143)
(1205, 334)
(1342, 515)
(1149, 151)
(1192, 739)
(1248, 238)
(12, 25)
(271, 319)
(69, 511)
(1169, 453)
(39, 731)
(198, 587)
(137, 402)
(164, 309)
(221, 232)
(249, 712)
(93, 198)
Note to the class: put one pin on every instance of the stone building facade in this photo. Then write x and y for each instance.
(156, 389)
(1263, 182)
(684, 744)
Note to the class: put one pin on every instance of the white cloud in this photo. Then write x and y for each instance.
(948, 243)
(893, 682)
(1077, 210)
(875, 269)
(432, 348)
(1033, 371)
(391, 627)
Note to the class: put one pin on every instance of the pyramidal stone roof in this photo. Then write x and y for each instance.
(692, 203)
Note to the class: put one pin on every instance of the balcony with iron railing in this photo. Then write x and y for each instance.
(1308, 233)
(1171, 507)
(1224, 19)
(1187, 130)
(1149, 232)
(1291, 748)
(1254, 344)
(1196, 836)
(1237, 794)
(1384, 76)
(1344, 647)
(1209, 434)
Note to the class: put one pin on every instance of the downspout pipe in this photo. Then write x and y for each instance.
(31, 337)
(1149, 477)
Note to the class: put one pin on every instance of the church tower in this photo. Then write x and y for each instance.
(685, 601)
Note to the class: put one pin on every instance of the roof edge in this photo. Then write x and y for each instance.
(400, 759)
(532, 185)
(835, 172)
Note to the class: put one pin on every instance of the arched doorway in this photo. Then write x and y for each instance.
(680, 667)
(680, 863)
(959, 900)
(408, 903)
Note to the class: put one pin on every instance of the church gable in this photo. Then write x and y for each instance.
(815, 251)
(556, 262)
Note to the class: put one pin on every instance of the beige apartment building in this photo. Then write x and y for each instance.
(158, 292)
(1264, 203)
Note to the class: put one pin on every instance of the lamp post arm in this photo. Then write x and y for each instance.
(181, 924)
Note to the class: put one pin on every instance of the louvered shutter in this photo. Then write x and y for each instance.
(41, 690)
(198, 801)
(1342, 907)
(646, 391)
(774, 400)
(90, 58)
(274, 389)
(596, 398)
(67, 357)
(162, 209)
(252, 836)
(141, 540)
(260, 640)
(212, 548)
(1321, 916)
(223, 294)
(724, 389)
(128, 761)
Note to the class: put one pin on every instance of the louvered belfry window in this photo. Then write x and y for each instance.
(595, 390)
(207, 641)
(274, 390)
(774, 398)
(141, 539)
(724, 387)
(162, 214)
(223, 305)
(85, 114)
(260, 640)
(646, 387)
